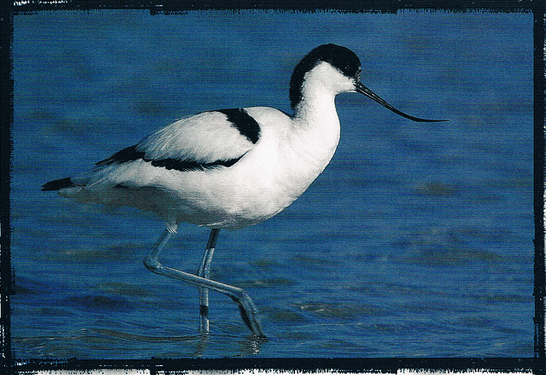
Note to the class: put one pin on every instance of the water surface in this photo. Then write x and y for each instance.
(416, 240)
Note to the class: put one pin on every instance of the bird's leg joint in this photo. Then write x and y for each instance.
(152, 264)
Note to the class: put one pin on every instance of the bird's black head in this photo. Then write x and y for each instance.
(348, 64)
(345, 60)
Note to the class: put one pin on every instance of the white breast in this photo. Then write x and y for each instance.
(266, 180)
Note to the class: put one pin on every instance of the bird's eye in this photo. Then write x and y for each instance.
(358, 74)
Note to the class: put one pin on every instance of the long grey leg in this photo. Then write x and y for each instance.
(204, 271)
(248, 310)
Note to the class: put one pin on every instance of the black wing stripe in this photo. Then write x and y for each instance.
(127, 154)
(131, 153)
(243, 122)
(190, 165)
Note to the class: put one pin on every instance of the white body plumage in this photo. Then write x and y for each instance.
(269, 175)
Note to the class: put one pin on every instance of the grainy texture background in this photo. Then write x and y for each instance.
(415, 241)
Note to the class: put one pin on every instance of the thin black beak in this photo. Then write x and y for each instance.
(370, 94)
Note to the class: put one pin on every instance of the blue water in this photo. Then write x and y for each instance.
(416, 240)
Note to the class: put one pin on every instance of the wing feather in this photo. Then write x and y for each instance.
(204, 138)
(204, 141)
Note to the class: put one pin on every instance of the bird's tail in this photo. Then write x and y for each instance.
(58, 184)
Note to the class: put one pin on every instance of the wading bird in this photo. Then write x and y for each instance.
(229, 168)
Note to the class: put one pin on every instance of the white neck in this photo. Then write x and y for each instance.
(316, 127)
(315, 116)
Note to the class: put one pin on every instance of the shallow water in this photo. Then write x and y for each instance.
(416, 241)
